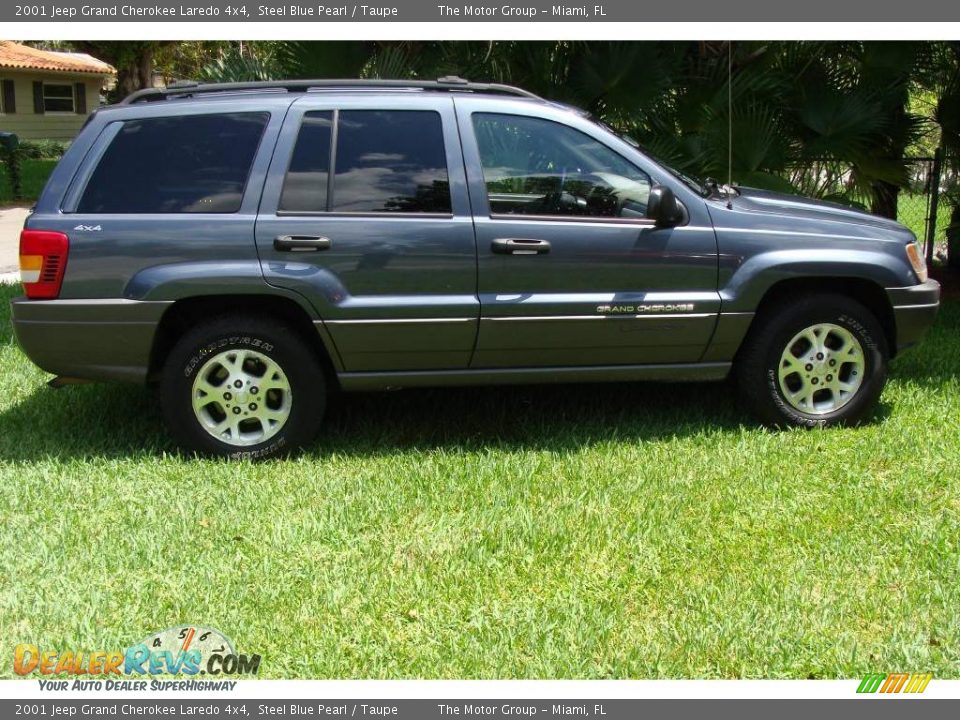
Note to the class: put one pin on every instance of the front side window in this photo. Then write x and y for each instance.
(58, 98)
(384, 161)
(185, 164)
(533, 166)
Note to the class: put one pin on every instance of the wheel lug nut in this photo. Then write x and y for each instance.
(227, 396)
(829, 378)
(255, 390)
(809, 367)
(819, 356)
(833, 363)
(236, 410)
(253, 406)
(815, 381)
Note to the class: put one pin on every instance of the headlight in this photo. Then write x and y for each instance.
(917, 261)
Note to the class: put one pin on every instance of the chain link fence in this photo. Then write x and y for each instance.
(913, 203)
(926, 205)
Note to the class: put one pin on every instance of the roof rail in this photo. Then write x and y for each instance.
(190, 88)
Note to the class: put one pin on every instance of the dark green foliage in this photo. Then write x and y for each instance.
(42, 149)
(828, 119)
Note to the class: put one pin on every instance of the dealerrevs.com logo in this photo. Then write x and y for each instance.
(895, 683)
(185, 650)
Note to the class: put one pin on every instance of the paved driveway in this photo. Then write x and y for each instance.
(11, 222)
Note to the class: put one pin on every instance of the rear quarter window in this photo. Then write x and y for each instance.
(185, 164)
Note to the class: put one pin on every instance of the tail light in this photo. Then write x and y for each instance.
(43, 258)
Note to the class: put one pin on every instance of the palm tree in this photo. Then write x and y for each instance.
(829, 119)
(942, 76)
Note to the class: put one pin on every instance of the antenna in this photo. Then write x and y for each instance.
(730, 112)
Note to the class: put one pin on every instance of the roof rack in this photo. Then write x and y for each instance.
(190, 88)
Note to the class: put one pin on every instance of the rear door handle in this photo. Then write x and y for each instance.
(520, 246)
(301, 243)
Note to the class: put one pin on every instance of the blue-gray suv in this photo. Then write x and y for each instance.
(248, 248)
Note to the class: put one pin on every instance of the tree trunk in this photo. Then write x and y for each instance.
(145, 67)
(135, 73)
(885, 197)
(127, 80)
(133, 60)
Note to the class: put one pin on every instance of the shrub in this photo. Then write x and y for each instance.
(43, 149)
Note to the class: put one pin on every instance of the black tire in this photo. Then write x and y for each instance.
(267, 338)
(759, 360)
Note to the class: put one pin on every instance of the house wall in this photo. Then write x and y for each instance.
(48, 126)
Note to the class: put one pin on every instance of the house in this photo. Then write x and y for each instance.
(45, 94)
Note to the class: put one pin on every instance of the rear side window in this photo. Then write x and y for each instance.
(185, 164)
(384, 161)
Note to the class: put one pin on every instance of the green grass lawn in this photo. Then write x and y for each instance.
(34, 174)
(546, 532)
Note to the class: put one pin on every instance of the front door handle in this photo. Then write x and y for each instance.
(520, 246)
(301, 243)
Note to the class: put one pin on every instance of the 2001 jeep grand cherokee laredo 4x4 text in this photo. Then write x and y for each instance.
(250, 246)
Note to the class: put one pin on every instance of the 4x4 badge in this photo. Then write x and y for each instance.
(88, 228)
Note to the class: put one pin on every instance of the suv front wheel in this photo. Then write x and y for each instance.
(242, 388)
(817, 362)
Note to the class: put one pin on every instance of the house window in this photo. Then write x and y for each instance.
(8, 98)
(58, 98)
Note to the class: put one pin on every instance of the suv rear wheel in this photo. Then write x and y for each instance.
(819, 361)
(242, 388)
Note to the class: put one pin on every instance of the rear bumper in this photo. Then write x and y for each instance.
(88, 339)
(914, 310)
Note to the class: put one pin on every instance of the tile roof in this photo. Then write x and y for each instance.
(22, 57)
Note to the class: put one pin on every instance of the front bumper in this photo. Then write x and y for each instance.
(88, 339)
(914, 310)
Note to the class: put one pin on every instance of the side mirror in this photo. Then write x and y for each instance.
(663, 207)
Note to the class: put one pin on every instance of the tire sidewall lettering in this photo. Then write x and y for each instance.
(271, 449)
(267, 335)
(863, 336)
(218, 345)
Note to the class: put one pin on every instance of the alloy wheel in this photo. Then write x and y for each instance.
(241, 397)
(821, 369)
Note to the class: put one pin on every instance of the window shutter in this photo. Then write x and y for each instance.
(38, 97)
(9, 97)
(80, 98)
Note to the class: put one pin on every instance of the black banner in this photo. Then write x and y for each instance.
(874, 708)
(519, 11)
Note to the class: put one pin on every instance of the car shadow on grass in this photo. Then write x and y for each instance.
(123, 421)
(83, 422)
(541, 417)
